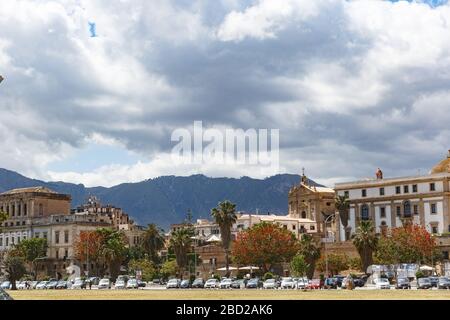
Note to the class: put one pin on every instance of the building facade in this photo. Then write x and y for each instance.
(423, 200)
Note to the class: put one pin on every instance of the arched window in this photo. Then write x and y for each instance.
(407, 209)
(303, 214)
(365, 212)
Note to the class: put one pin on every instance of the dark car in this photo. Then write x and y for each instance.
(141, 284)
(434, 281)
(61, 285)
(359, 282)
(424, 283)
(403, 283)
(254, 283)
(339, 280)
(444, 283)
(4, 295)
(330, 283)
(238, 284)
(198, 283)
(185, 284)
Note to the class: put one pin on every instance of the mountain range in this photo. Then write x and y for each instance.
(167, 199)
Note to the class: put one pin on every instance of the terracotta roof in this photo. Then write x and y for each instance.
(29, 190)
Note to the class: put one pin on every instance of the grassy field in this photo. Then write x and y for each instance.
(230, 295)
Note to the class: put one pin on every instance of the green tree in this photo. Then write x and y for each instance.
(342, 205)
(299, 266)
(366, 242)
(32, 250)
(3, 217)
(169, 268)
(14, 265)
(181, 243)
(153, 241)
(311, 251)
(113, 249)
(336, 263)
(225, 216)
(145, 266)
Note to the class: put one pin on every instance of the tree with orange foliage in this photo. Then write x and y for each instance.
(408, 244)
(264, 245)
(88, 246)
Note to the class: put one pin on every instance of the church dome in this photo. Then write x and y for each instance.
(443, 166)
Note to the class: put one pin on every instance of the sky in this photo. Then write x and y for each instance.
(93, 89)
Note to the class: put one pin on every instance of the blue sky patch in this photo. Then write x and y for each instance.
(92, 29)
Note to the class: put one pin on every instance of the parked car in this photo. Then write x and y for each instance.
(142, 284)
(444, 283)
(254, 283)
(330, 283)
(4, 295)
(173, 284)
(42, 285)
(198, 283)
(434, 281)
(51, 285)
(301, 283)
(95, 281)
(403, 283)
(339, 280)
(313, 284)
(185, 284)
(22, 285)
(132, 284)
(360, 282)
(120, 284)
(79, 284)
(157, 281)
(287, 283)
(382, 283)
(105, 283)
(211, 283)
(62, 285)
(225, 283)
(238, 284)
(5, 285)
(270, 284)
(424, 283)
(34, 284)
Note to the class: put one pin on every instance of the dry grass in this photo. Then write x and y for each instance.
(230, 295)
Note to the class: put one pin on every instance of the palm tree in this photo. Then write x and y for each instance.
(181, 242)
(366, 242)
(343, 206)
(113, 250)
(311, 252)
(153, 241)
(225, 216)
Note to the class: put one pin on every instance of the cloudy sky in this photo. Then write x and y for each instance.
(93, 89)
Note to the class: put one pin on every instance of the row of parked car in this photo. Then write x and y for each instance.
(122, 282)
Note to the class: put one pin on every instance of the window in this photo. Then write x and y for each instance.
(56, 237)
(398, 211)
(293, 227)
(414, 188)
(432, 186)
(25, 209)
(433, 208)
(382, 212)
(407, 209)
(364, 193)
(328, 204)
(312, 228)
(6, 241)
(405, 189)
(19, 208)
(66, 236)
(44, 235)
(57, 254)
(303, 214)
(434, 229)
(41, 209)
(284, 226)
(381, 191)
(365, 212)
(416, 209)
(445, 255)
(398, 190)
(1, 242)
(17, 223)
(13, 211)
(346, 194)
(36, 234)
(66, 253)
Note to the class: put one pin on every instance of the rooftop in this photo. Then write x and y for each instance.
(29, 190)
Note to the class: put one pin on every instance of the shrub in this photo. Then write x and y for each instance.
(420, 274)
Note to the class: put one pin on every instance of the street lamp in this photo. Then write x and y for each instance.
(325, 244)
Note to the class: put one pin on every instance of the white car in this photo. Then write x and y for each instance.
(132, 284)
(382, 283)
(21, 285)
(6, 285)
(225, 283)
(105, 283)
(270, 284)
(287, 283)
(301, 283)
(173, 284)
(120, 284)
(211, 283)
(42, 285)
